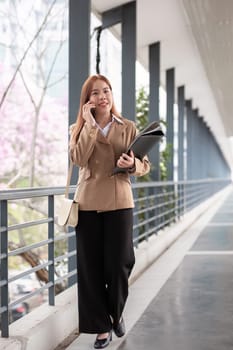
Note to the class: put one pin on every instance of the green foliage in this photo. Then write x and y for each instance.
(142, 109)
(165, 155)
(142, 119)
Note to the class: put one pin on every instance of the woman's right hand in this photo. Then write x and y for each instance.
(87, 115)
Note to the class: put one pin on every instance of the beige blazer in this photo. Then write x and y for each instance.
(96, 155)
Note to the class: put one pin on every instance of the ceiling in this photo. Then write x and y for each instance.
(196, 38)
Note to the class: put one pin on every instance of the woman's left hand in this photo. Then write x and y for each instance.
(126, 160)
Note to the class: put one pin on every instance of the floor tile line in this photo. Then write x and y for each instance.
(210, 252)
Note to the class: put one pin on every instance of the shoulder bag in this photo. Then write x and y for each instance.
(68, 210)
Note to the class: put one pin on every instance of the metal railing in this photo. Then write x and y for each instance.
(157, 205)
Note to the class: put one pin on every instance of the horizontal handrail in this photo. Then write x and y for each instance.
(64, 256)
(15, 194)
(28, 272)
(29, 247)
(29, 224)
(24, 193)
(70, 274)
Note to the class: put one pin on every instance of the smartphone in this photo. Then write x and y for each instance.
(93, 112)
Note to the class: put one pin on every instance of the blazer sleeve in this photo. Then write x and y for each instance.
(140, 167)
(81, 150)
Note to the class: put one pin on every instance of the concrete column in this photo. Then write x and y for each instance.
(79, 56)
(196, 146)
(154, 70)
(129, 60)
(202, 147)
(181, 110)
(79, 53)
(209, 153)
(170, 84)
(126, 15)
(206, 150)
(189, 138)
(181, 137)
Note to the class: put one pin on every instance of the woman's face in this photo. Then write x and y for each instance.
(101, 96)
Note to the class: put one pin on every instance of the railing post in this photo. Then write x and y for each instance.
(147, 215)
(51, 249)
(4, 268)
(182, 199)
(156, 210)
(135, 220)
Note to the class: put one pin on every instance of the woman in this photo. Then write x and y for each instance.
(105, 255)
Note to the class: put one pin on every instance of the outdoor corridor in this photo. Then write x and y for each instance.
(185, 299)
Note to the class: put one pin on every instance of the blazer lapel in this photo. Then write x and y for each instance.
(116, 130)
(101, 138)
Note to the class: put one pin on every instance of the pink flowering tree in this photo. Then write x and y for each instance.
(33, 125)
(23, 149)
(33, 119)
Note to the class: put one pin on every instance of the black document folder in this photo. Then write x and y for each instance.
(143, 143)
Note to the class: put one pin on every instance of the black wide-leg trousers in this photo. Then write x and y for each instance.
(105, 258)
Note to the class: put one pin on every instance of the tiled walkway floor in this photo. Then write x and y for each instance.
(194, 309)
(185, 299)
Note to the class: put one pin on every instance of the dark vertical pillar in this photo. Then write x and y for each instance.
(181, 136)
(154, 70)
(126, 15)
(202, 148)
(217, 157)
(129, 60)
(206, 151)
(170, 84)
(79, 56)
(181, 109)
(196, 140)
(79, 53)
(209, 153)
(189, 138)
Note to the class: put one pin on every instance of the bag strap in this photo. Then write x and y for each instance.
(68, 179)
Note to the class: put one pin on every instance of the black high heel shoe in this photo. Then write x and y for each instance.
(102, 343)
(119, 329)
